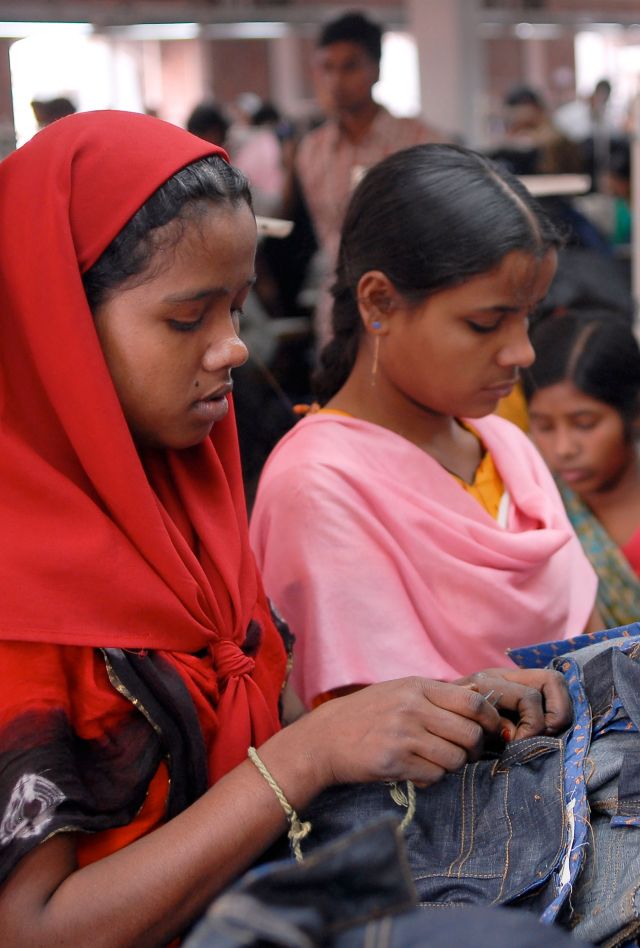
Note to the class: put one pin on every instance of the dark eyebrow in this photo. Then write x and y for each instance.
(506, 309)
(496, 309)
(213, 292)
(572, 414)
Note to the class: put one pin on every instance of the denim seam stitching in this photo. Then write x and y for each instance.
(463, 808)
(472, 820)
(509, 838)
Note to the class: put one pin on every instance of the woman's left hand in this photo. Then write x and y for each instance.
(537, 699)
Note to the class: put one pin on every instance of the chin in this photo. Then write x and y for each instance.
(478, 412)
(170, 443)
(187, 443)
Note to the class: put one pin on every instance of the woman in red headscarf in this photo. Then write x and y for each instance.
(139, 660)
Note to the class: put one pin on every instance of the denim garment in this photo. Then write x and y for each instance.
(491, 833)
(355, 893)
(551, 825)
(601, 900)
(603, 895)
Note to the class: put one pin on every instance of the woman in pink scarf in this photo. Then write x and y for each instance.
(403, 528)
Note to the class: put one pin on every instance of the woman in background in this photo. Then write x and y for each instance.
(584, 403)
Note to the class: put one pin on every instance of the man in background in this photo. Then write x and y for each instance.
(357, 133)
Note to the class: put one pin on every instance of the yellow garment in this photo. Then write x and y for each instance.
(514, 408)
(487, 486)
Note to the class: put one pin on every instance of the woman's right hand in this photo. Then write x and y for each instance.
(410, 728)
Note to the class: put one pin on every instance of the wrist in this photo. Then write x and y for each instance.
(298, 829)
(296, 760)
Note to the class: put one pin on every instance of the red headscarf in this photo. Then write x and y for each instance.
(90, 553)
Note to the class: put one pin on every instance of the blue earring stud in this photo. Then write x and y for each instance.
(376, 324)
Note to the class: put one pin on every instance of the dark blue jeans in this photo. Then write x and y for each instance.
(491, 833)
(604, 906)
(356, 893)
(551, 826)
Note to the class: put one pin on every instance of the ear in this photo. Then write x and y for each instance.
(377, 298)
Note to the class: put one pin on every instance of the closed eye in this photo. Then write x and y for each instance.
(180, 325)
(481, 327)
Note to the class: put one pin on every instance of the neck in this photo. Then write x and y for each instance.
(356, 124)
(438, 435)
(620, 494)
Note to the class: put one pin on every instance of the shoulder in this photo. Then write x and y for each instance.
(410, 130)
(71, 678)
(319, 464)
(317, 443)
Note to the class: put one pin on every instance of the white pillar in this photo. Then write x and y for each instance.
(285, 73)
(450, 53)
(534, 54)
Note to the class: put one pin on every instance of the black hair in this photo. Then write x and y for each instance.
(523, 95)
(620, 159)
(205, 117)
(353, 28)
(182, 197)
(429, 217)
(47, 111)
(265, 114)
(600, 356)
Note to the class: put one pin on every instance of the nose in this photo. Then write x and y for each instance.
(517, 350)
(228, 352)
(332, 84)
(564, 444)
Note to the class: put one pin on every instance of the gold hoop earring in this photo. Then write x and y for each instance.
(374, 365)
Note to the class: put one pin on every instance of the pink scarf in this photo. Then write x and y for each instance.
(384, 566)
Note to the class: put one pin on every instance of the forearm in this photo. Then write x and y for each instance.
(150, 891)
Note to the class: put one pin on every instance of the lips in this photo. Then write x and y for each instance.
(573, 474)
(214, 406)
(220, 392)
(501, 389)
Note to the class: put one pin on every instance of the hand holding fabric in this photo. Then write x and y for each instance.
(536, 701)
(410, 728)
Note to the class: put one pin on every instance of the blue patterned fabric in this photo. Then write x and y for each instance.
(543, 654)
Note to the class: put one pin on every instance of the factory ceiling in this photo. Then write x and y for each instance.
(114, 13)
